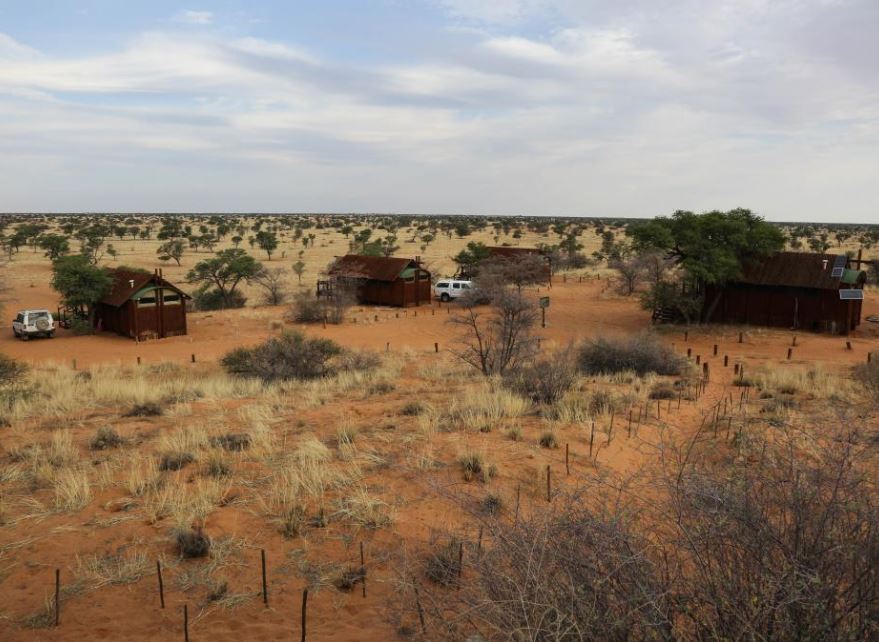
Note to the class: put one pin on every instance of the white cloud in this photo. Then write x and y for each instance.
(624, 111)
(195, 17)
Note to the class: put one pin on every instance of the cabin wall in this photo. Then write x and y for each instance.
(399, 293)
(784, 307)
(142, 322)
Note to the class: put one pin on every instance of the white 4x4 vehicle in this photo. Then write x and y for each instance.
(447, 289)
(31, 323)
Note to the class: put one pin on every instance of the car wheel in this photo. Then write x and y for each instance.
(445, 297)
(50, 335)
(24, 336)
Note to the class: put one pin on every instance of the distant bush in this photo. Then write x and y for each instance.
(308, 308)
(545, 380)
(444, 565)
(290, 356)
(641, 354)
(10, 369)
(212, 299)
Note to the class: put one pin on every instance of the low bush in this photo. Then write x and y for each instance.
(548, 440)
(232, 441)
(412, 408)
(474, 467)
(192, 543)
(106, 438)
(640, 354)
(290, 356)
(175, 461)
(307, 308)
(347, 578)
(146, 409)
(10, 369)
(491, 504)
(443, 565)
(663, 390)
(207, 299)
(545, 380)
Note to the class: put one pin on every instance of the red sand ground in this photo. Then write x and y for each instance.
(578, 311)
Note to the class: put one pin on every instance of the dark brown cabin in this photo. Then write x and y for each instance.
(797, 290)
(141, 305)
(380, 280)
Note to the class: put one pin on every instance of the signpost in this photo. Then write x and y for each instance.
(544, 304)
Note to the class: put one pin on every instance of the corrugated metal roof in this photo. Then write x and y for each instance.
(126, 283)
(796, 269)
(376, 268)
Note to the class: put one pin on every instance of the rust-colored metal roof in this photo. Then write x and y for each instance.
(376, 268)
(128, 282)
(795, 269)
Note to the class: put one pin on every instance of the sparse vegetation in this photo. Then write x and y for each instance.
(641, 354)
(290, 356)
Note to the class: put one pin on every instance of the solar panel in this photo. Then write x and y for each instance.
(837, 273)
(840, 261)
(851, 295)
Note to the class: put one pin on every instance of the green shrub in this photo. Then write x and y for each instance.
(206, 298)
(290, 356)
(641, 354)
(443, 565)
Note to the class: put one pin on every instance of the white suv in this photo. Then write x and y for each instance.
(447, 289)
(31, 323)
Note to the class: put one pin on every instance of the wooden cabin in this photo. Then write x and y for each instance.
(141, 305)
(379, 280)
(797, 290)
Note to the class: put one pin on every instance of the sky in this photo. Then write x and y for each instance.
(505, 107)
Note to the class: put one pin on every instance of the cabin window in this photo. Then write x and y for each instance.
(146, 301)
(170, 297)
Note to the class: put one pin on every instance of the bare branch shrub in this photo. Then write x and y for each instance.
(271, 282)
(307, 308)
(500, 338)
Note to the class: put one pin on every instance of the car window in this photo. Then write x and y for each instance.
(38, 315)
(456, 286)
(466, 286)
(442, 284)
(20, 318)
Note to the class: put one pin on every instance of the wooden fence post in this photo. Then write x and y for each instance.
(161, 584)
(265, 586)
(57, 596)
(304, 610)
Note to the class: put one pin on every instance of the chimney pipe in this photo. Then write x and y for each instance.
(824, 263)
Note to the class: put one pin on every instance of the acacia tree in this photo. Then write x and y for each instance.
(710, 248)
(225, 272)
(267, 242)
(54, 245)
(80, 283)
(172, 249)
